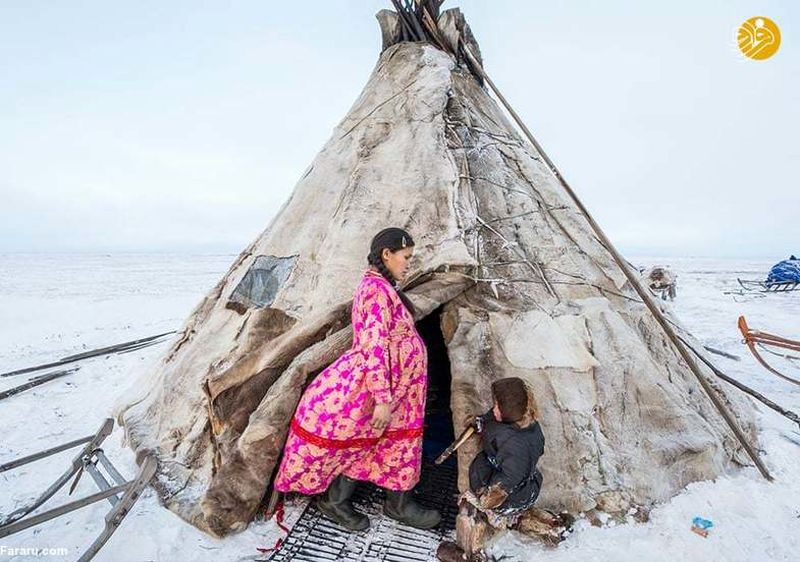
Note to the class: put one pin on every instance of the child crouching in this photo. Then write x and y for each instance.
(504, 479)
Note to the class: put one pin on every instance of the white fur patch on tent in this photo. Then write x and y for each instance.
(535, 340)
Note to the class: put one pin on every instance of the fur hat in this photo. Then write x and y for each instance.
(511, 395)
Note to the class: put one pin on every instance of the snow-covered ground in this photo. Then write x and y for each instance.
(56, 305)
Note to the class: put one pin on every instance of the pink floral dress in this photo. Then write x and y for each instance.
(331, 434)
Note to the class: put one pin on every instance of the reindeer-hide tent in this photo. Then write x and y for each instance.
(517, 282)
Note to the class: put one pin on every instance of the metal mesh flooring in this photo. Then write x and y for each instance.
(315, 538)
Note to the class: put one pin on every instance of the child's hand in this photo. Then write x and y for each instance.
(478, 424)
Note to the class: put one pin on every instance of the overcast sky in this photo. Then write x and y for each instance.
(184, 125)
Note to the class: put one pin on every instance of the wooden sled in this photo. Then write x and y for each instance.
(764, 287)
(754, 338)
(120, 493)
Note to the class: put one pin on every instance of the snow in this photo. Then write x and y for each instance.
(53, 305)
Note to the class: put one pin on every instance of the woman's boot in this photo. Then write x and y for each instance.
(335, 503)
(402, 507)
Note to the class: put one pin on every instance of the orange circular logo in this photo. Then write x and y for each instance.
(758, 38)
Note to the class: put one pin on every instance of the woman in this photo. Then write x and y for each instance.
(362, 417)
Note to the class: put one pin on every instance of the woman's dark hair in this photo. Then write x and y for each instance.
(391, 239)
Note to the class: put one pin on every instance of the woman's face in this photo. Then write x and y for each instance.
(398, 262)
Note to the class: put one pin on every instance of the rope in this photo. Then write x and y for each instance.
(279, 517)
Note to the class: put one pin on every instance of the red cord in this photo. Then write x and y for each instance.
(279, 515)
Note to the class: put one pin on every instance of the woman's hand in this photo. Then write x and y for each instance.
(381, 416)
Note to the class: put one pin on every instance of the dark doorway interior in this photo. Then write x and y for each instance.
(438, 417)
(438, 485)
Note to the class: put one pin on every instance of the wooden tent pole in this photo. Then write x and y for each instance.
(646, 298)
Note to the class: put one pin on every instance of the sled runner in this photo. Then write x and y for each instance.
(755, 339)
(120, 493)
(768, 287)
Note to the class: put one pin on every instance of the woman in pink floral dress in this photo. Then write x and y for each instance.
(362, 417)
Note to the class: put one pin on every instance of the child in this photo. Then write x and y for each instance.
(503, 478)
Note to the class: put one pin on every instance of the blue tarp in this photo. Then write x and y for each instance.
(786, 271)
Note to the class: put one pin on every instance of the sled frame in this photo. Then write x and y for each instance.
(754, 337)
(764, 287)
(120, 493)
